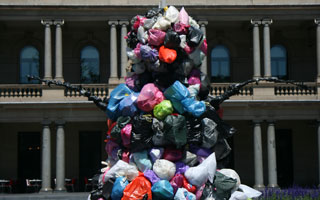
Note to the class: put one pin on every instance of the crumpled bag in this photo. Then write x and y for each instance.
(116, 130)
(151, 176)
(194, 36)
(196, 56)
(175, 130)
(196, 108)
(232, 174)
(103, 191)
(125, 156)
(181, 168)
(187, 66)
(193, 22)
(162, 24)
(149, 97)
(130, 81)
(164, 169)
(118, 187)
(128, 105)
(176, 93)
(110, 145)
(205, 171)
(180, 28)
(148, 23)
(157, 67)
(120, 92)
(172, 40)
(162, 190)
(183, 16)
(194, 90)
(194, 127)
(148, 54)
(209, 132)
(137, 21)
(176, 182)
(163, 109)
(203, 152)
(153, 12)
(156, 37)
(122, 168)
(190, 159)
(183, 194)
(139, 68)
(142, 161)
(223, 185)
(141, 134)
(137, 189)
(172, 154)
(126, 135)
(155, 153)
(172, 14)
(222, 149)
(132, 40)
(142, 35)
(208, 192)
(194, 77)
(204, 46)
(250, 192)
(237, 195)
(167, 55)
(132, 56)
(143, 79)
(158, 138)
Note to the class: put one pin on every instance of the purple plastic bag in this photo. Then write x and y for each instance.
(110, 145)
(130, 82)
(176, 182)
(181, 167)
(126, 135)
(203, 152)
(114, 153)
(156, 37)
(148, 54)
(151, 176)
(155, 153)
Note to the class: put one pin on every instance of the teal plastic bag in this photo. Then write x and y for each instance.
(176, 93)
(196, 108)
(118, 187)
(162, 190)
(119, 93)
(142, 161)
(163, 109)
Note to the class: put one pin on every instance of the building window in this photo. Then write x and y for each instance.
(220, 64)
(90, 65)
(29, 64)
(279, 61)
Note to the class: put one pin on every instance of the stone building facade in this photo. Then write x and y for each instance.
(60, 134)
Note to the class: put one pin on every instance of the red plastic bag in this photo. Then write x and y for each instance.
(172, 154)
(188, 186)
(137, 189)
(167, 55)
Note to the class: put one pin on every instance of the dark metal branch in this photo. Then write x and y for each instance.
(101, 103)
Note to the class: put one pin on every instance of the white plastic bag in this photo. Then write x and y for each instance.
(156, 153)
(237, 195)
(122, 168)
(172, 14)
(193, 23)
(205, 171)
(162, 24)
(250, 192)
(164, 169)
(142, 35)
(232, 174)
(183, 41)
(184, 194)
(194, 90)
(132, 56)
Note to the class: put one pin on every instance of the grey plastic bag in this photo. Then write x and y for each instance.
(210, 133)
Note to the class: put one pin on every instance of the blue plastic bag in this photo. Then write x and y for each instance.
(196, 108)
(151, 176)
(118, 187)
(128, 105)
(119, 93)
(162, 190)
(183, 194)
(142, 161)
(176, 93)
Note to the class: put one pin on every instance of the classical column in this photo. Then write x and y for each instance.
(124, 58)
(60, 159)
(47, 49)
(46, 158)
(272, 158)
(59, 65)
(266, 47)
(317, 21)
(256, 48)
(204, 67)
(318, 124)
(113, 53)
(258, 160)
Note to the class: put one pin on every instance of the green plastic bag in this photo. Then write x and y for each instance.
(175, 129)
(163, 109)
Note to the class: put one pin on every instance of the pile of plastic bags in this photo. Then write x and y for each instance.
(165, 140)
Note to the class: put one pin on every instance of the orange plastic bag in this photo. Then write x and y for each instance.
(139, 187)
(167, 55)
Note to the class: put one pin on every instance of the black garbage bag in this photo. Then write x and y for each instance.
(122, 121)
(141, 134)
(172, 40)
(194, 36)
(132, 40)
(159, 138)
(224, 129)
(222, 149)
(208, 191)
(164, 80)
(143, 79)
(205, 86)
(223, 185)
(194, 128)
(103, 191)
(209, 132)
(175, 129)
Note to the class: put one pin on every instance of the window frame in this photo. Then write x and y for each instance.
(277, 60)
(220, 60)
(30, 72)
(82, 81)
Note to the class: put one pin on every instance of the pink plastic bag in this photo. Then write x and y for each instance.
(194, 77)
(204, 46)
(126, 135)
(130, 82)
(149, 97)
(176, 182)
(156, 37)
(183, 16)
(137, 50)
(181, 28)
(188, 49)
(126, 156)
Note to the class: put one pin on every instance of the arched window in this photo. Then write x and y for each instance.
(220, 64)
(90, 65)
(29, 63)
(279, 61)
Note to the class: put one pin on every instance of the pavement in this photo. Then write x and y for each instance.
(46, 196)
